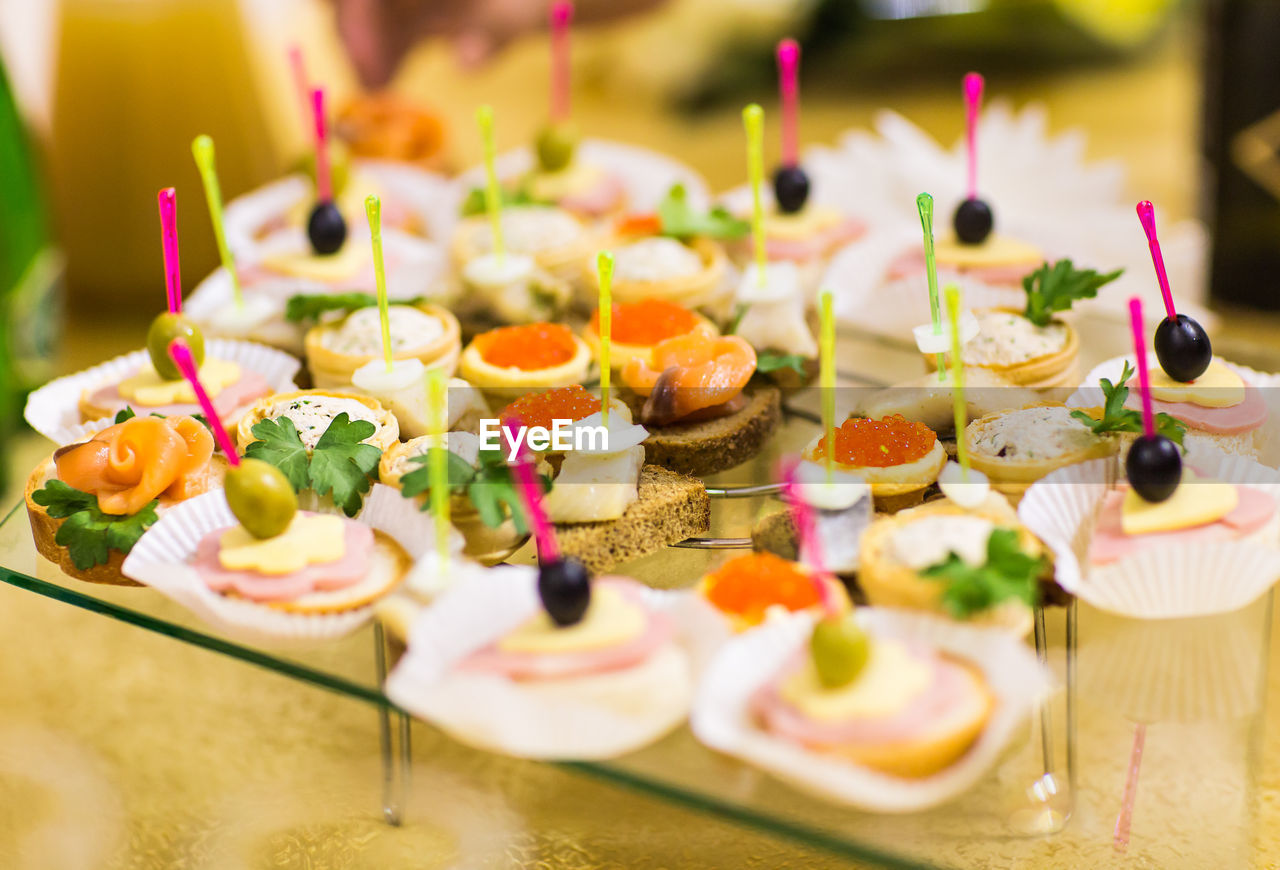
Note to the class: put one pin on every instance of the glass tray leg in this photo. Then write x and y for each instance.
(1050, 797)
(393, 743)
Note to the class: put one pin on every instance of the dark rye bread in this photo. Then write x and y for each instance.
(709, 446)
(669, 508)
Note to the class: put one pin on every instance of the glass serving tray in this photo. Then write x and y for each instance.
(1149, 754)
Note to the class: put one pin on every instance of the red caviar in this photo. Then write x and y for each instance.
(648, 322)
(748, 585)
(869, 443)
(543, 409)
(530, 348)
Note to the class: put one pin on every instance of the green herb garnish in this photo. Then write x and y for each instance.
(489, 486)
(680, 221)
(1117, 418)
(772, 361)
(475, 203)
(1055, 287)
(312, 306)
(89, 534)
(1008, 574)
(341, 464)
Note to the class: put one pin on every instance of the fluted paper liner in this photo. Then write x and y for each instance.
(161, 560)
(574, 718)
(723, 719)
(1165, 581)
(54, 411)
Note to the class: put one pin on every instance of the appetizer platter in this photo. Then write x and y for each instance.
(521, 469)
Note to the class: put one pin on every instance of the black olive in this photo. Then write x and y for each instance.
(326, 228)
(1183, 348)
(1154, 467)
(790, 188)
(565, 589)
(973, 221)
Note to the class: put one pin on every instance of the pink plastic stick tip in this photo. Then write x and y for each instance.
(561, 14)
(1147, 217)
(167, 199)
(522, 469)
(788, 61)
(182, 358)
(973, 83)
(317, 113)
(1144, 376)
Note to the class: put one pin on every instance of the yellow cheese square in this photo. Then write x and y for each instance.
(1195, 502)
(610, 620)
(309, 540)
(802, 225)
(892, 678)
(327, 269)
(995, 251)
(148, 389)
(1218, 387)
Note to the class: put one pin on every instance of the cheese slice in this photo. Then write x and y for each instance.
(593, 487)
(577, 177)
(327, 268)
(801, 225)
(610, 620)
(995, 251)
(1218, 387)
(148, 389)
(1194, 503)
(891, 679)
(309, 540)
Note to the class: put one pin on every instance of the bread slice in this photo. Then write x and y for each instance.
(44, 528)
(669, 508)
(708, 446)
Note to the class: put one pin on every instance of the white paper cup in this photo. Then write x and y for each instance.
(54, 409)
(161, 560)
(580, 718)
(722, 716)
(1165, 581)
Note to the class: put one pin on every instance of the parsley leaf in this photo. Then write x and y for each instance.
(475, 202)
(313, 306)
(125, 413)
(772, 361)
(458, 472)
(278, 444)
(88, 534)
(1055, 287)
(680, 221)
(341, 464)
(1008, 573)
(1117, 418)
(739, 312)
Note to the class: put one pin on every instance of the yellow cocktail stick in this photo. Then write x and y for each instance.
(202, 151)
(492, 195)
(373, 208)
(957, 378)
(827, 377)
(437, 458)
(753, 120)
(604, 267)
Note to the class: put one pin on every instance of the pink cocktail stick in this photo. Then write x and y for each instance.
(168, 200)
(531, 496)
(973, 105)
(1147, 215)
(807, 531)
(561, 73)
(324, 183)
(1123, 821)
(1144, 376)
(181, 356)
(789, 87)
(299, 68)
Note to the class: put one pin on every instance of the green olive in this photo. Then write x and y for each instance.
(840, 649)
(164, 329)
(339, 165)
(555, 145)
(261, 497)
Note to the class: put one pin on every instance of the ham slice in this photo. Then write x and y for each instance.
(818, 245)
(1244, 417)
(948, 688)
(250, 387)
(1110, 543)
(600, 199)
(549, 666)
(912, 263)
(320, 577)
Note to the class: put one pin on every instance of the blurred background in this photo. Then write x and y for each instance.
(100, 99)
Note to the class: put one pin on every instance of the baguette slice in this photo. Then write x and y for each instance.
(44, 528)
(709, 446)
(669, 508)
